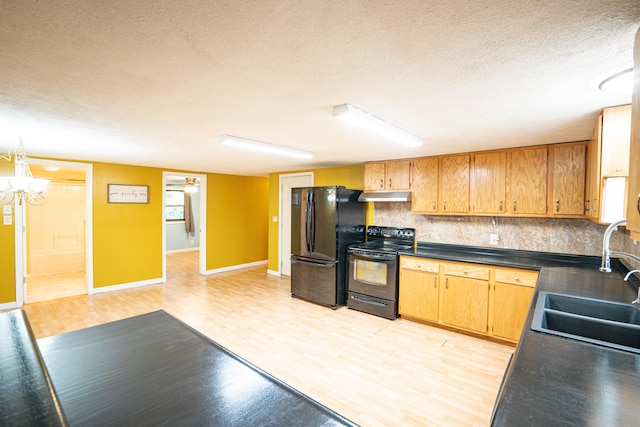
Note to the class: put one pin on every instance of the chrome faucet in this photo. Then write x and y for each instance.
(637, 301)
(606, 252)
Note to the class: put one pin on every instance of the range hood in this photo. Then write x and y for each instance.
(385, 196)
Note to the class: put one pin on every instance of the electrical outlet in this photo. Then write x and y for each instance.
(493, 239)
(193, 242)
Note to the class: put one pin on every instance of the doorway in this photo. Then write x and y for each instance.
(57, 259)
(184, 247)
(287, 182)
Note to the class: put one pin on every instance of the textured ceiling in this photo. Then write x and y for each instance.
(153, 83)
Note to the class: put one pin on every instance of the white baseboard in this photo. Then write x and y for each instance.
(8, 306)
(127, 285)
(235, 267)
(173, 251)
(273, 272)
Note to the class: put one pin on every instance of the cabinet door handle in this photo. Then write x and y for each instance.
(557, 205)
(465, 272)
(434, 205)
(390, 186)
(444, 204)
(594, 208)
(446, 283)
(514, 205)
(517, 279)
(586, 206)
(435, 282)
(500, 204)
(382, 184)
(638, 203)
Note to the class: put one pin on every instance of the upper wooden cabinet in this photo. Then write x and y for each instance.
(527, 181)
(441, 185)
(389, 175)
(489, 187)
(615, 141)
(544, 180)
(454, 184)
(607, 156)
(374, 174)
(568, 172)
(633, 188)
(593, 184)
(424, 179)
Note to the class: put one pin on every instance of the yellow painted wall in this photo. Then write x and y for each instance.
(130, 235)
(237, 218)
(7, 249)
(347, 176)
(127, 237)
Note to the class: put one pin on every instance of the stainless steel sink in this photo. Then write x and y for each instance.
(595, 321)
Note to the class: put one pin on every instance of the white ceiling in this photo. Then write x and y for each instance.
(153, 83)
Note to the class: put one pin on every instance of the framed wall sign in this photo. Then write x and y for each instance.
(128, 193)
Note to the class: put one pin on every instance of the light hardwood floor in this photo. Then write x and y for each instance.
(53, 286)
(374, 371)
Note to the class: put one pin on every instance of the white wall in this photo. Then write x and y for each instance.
(56, 230)
(177, 236)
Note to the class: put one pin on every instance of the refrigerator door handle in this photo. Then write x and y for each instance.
(307, 225)
(313, 222)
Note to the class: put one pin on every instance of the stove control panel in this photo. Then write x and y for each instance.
(377, 232)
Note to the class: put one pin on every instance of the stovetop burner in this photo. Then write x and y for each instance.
(387, 239)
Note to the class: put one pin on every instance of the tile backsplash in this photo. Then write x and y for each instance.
(559, 235)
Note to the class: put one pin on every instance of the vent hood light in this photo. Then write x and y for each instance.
(235, 141)
(358, 117)
(620, 83)
(391, 196)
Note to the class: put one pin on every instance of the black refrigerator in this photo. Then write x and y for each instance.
(324, 222)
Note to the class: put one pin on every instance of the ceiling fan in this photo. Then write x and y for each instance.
(189, 186)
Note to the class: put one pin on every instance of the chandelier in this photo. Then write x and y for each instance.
(21, 187)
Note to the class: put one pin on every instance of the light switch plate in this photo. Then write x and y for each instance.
(6, 209)
(7, 220)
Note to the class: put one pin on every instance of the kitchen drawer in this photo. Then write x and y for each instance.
(517, 277)
(419, 264)
(469, 271)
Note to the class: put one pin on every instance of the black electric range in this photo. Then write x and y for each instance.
(372, 285)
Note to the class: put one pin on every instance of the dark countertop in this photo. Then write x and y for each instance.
(554, 381)
(153, 370)
(27, 397)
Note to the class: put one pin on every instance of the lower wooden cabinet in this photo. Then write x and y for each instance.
(488, 300)
(512, 293)
(465, 303)
(419, 295)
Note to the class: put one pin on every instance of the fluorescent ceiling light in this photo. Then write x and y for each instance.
(235, 141)
(368, 121)
(619, 83)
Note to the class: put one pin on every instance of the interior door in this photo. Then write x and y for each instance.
(287, 182)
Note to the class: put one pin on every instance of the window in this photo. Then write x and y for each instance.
(174, 200)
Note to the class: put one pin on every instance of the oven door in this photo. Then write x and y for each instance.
(374, 274)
